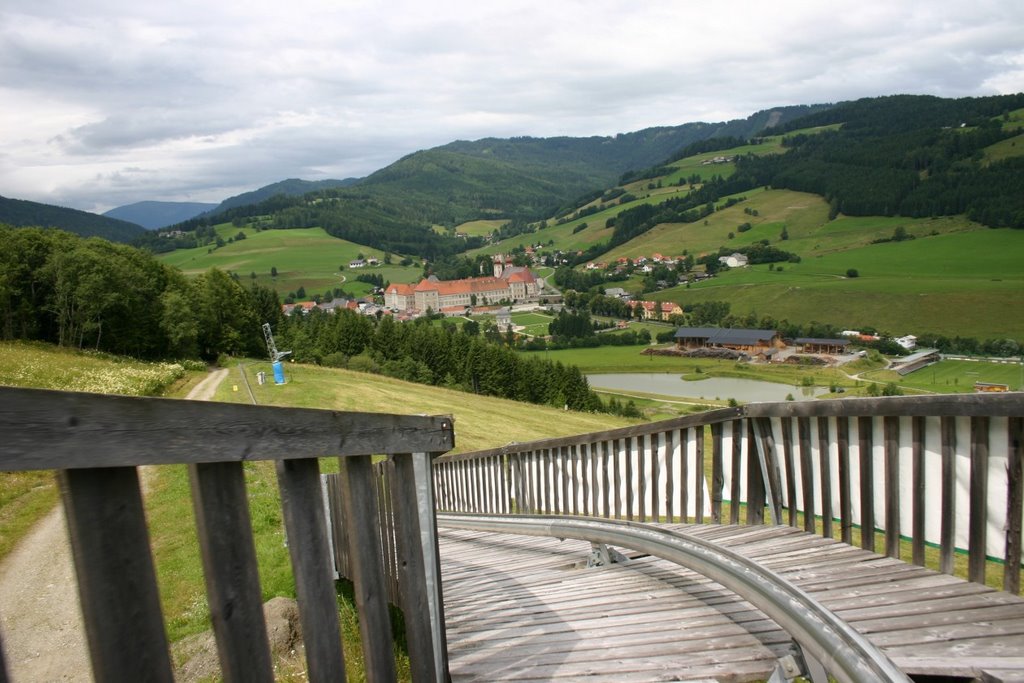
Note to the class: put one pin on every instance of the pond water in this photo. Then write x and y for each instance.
(724, 388)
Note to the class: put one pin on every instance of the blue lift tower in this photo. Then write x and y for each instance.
(275, 355)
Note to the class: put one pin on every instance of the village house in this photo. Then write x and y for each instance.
(657, 310)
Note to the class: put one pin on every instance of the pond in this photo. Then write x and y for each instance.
(724, 388)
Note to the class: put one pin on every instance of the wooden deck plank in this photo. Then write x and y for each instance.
(527, 608)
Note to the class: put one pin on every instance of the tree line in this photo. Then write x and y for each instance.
(439, 355)
(89, 293)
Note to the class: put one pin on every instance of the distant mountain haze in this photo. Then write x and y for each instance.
(154, 215)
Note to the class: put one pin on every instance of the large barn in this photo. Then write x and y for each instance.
(748, 341)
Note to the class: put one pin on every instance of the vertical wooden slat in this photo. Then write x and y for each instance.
(606, 478)
(116, 579)
(803, 428)
(568, 480)
(617, 469)
(1014, 503)
(586, 473)
(787, 462)
(918, 503)
(755, 482)
(845, 494)
(415, 529)
(698, 475)
(385, 509)
(670, 478)
(825, 469)
(504, 482)
(360, 503)
(947, 531)
(339, 529)
(302, 508)
(629, 476)
(865, 434)
(640, 444)
(892, 486)
(978, 535)
(684, 478)
(229, 565)
(768, 464)
(550, 505)
(717, 471)
(657, 442)
(735, 492)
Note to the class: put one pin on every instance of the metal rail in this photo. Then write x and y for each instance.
(824, 638)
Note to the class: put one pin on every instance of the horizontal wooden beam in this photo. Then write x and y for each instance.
(68, 430)
(1010, 404)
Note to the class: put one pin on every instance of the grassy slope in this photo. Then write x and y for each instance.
(479, 423)
(306, 257)
(26, 496)
(954, 284)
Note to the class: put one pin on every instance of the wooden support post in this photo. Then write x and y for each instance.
(116, 579)
(717, 471)
(359, 500)
(302, 506)
(419, 568)
(229, 565)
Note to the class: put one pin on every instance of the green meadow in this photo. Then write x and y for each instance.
(957, 284)
(303, 257)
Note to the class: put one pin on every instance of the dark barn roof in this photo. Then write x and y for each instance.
(720, 335)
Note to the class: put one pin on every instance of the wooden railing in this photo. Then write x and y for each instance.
(96, 443)
(944, 471)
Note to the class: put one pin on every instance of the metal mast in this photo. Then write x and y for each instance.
(275, 355)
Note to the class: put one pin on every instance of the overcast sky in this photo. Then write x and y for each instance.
(109, 102)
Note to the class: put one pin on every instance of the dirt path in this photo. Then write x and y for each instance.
(40, 620)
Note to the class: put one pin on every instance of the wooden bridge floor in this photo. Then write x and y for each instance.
(526, 608)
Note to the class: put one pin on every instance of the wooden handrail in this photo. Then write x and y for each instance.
(811, 460)
(96, 442)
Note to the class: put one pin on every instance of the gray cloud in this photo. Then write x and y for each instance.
(118, 101)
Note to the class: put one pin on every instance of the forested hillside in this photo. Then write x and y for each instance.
(19, 212)
(93, 294)
(913, 156)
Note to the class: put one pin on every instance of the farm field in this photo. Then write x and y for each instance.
(304, 257)
(956, 284)
(956, 376)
